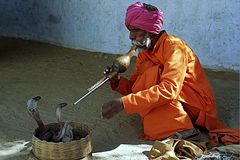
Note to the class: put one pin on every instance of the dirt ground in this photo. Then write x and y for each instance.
(59, 75)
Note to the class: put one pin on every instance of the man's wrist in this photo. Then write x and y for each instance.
(121, 102)
(116, 83)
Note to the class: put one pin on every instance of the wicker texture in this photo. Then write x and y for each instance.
(73, 150)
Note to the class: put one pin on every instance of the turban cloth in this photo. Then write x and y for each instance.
(138, 16)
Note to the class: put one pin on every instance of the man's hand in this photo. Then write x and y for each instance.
(109, 109)
(107, 70)
(114, 80)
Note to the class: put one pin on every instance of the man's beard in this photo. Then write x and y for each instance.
(142, 45)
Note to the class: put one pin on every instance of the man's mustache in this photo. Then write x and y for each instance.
(146, 43)
(138, 43)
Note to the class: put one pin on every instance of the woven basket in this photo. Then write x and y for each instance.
(76, 149)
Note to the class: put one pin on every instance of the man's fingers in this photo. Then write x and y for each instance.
(110, 113)
(107, 70)
(111, 108)
(107, 115)
(107, 111)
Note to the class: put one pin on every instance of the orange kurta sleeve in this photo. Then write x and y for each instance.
(170, 85)
(124, 86)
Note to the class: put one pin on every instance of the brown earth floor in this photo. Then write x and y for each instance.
(59, 75)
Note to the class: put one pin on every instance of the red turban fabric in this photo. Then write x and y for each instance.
(138, 16)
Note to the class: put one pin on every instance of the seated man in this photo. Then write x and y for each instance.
(168, 88)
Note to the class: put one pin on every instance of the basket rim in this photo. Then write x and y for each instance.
(89, 135)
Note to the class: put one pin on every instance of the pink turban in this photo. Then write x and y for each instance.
(138, 16)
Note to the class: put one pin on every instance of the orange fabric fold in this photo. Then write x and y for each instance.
(224, 136)
(170, 91)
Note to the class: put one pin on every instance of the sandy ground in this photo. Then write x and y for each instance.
(59, 75)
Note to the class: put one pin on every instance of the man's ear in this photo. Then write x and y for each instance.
(150, 34)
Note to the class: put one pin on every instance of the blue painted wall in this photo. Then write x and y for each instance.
(211, 28)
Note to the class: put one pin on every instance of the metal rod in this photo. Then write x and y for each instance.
(92, 90)
(89, 89)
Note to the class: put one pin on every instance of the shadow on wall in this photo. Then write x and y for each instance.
(31, 19)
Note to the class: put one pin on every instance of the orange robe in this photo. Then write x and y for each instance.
(170, 91)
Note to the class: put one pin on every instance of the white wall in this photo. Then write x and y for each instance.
(210, 27)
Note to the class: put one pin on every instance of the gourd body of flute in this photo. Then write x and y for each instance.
(121, 63)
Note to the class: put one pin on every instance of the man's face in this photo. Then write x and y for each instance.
(139, 37)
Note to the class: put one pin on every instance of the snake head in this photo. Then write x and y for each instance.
(59, 111)
(32, 103)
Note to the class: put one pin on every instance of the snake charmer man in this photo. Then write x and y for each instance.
(168, 87)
